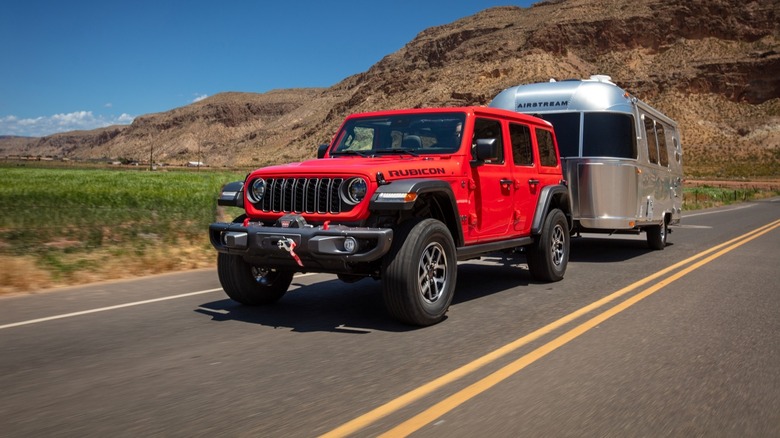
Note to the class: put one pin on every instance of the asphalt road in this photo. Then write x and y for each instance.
(679, 342)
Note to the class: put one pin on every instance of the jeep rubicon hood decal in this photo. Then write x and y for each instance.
(391, 168)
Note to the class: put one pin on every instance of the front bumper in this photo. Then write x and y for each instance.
(334, 248)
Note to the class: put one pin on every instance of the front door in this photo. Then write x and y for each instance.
(492, 194)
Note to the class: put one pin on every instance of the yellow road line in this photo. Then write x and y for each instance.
(455, 400)
(398, 403)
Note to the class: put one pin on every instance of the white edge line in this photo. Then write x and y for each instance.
(718, 211)
(103, 309)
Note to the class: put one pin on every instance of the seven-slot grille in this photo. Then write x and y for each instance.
(302, 195)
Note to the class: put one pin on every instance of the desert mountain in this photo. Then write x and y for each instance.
(713, 65)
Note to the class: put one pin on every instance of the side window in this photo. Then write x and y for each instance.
(547, 156)
(662, 152)
(677, 154)
(607, 135)
(522, 152)
(652, 145)
(487, 128)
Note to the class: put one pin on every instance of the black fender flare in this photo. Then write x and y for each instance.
(401, 195)
(551, 196)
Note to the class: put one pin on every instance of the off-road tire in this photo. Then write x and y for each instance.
(549, 254)
(248, 284)
(419, 272)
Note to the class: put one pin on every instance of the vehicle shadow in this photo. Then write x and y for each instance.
(358, 308)
(608, 249)
(492, 274)
(329, 306)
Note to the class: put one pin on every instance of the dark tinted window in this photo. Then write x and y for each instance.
(609, 135)
(485, 129)
(522, 152)
(547, 156)
(567, 131)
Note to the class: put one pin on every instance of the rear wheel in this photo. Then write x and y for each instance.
(251, 285)
(419, 273)
(549, 255)
(656, 236)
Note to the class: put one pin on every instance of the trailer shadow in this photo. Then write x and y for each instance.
(608, 249)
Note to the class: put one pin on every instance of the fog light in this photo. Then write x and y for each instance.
(350, 244)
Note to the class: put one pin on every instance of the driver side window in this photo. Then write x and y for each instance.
(486, 129)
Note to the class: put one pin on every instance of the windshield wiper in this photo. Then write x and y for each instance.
(351, 152)
(396, 151)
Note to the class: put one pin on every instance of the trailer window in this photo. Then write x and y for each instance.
(544, 139)
(567, 131)
(677, 155)
(522, 152)
(652, 145)
(609, 135)
(662, 152)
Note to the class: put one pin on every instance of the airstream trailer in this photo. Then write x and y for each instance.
(622, 158)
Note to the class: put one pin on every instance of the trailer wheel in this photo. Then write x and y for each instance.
(419, 273)
(656, 236)
(549, 255)
(251, 285)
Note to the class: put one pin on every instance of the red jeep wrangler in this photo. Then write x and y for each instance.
(401, 196)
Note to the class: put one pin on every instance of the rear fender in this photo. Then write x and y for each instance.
(553, 196)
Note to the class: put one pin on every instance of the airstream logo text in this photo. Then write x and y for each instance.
(416, 172)
(549, 104)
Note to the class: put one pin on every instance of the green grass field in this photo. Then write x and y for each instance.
(68, 224)
(62, 226)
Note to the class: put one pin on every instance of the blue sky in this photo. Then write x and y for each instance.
(69, 65)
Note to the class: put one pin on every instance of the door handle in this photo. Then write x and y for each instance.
(506, 182)
(533, 182)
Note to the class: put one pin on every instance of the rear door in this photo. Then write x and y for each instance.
(525, 178)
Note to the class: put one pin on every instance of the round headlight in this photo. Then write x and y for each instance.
(355, 191)
(256, 191)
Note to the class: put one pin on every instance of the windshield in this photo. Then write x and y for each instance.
(567, 132)
(414, 134)
(605, 134)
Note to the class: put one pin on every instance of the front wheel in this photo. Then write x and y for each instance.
(251, 285)
(549, 255)
(419, 273)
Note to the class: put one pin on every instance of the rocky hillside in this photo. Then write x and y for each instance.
(713, 65)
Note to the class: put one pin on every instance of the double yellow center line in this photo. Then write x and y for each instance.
(455, 400)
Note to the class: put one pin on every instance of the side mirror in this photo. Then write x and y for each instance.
(322, 150)
(487, 149)
(232, 195)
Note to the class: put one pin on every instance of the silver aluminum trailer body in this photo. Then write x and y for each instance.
(621, 157)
